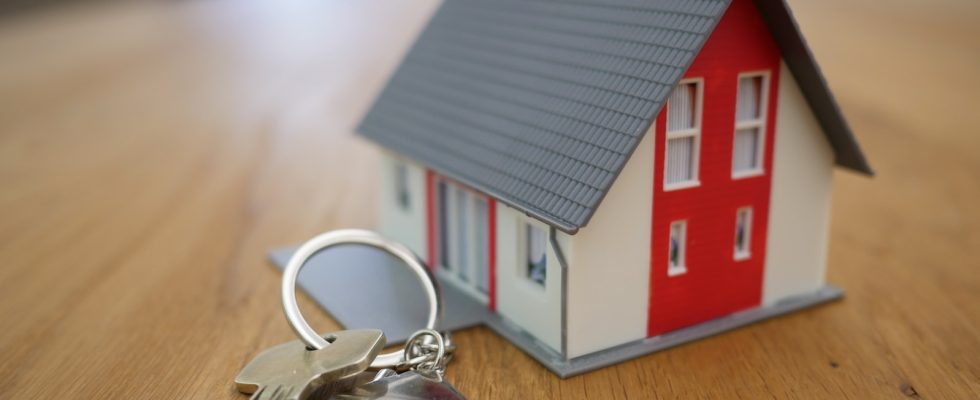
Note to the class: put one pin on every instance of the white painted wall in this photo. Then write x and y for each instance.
(609, 271)
(403, 225)
(799, 215)
(533, 308)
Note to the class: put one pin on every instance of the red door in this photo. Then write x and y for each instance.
(712, 177)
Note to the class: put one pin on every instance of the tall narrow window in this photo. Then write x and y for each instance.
(536, 243)
(462, 233)
(442, 194)
(743, 233)
(683, 136)
(401, 186)
(481, 246)
(750, 112)
(677, 250)
(463, 226)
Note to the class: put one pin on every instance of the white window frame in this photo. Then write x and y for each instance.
(694, 132)
(522, 270)
(746, 253)
(759, 123)
(451, 271)
(682, 247)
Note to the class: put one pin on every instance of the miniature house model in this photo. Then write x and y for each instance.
(599, 173)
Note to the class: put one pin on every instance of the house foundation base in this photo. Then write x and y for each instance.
(364, 288)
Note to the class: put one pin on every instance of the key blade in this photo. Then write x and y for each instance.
(259, 374)
(296, 371)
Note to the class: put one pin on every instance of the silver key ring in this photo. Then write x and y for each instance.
(355, 236)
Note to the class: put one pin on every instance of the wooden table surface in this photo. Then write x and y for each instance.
(151, 153)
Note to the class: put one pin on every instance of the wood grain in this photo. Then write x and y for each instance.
(151, 153)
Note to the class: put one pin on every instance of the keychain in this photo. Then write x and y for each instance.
(333, 365)
(424, 379)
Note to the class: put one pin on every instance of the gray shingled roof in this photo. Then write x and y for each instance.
(540, 103)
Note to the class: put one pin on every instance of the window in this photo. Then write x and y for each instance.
(536, 242)
(462, 234)
(683, 136)
(677, 250)
(482, 246)
(750, 112)
(442, 194)
(743, 233)
(401, 186)
(463, 237)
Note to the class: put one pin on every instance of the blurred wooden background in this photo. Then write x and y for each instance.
(152, 152)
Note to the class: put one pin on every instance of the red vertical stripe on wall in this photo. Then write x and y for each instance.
(492, 246)
(430, 218)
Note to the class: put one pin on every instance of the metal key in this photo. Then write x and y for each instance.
(290, 371)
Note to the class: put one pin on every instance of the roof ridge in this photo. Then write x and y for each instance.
(616, 23)
(621, 39)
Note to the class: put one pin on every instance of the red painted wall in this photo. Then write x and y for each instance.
(715, 284)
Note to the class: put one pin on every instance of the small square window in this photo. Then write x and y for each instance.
(676, 251)
(743, 233)
(536, 244)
